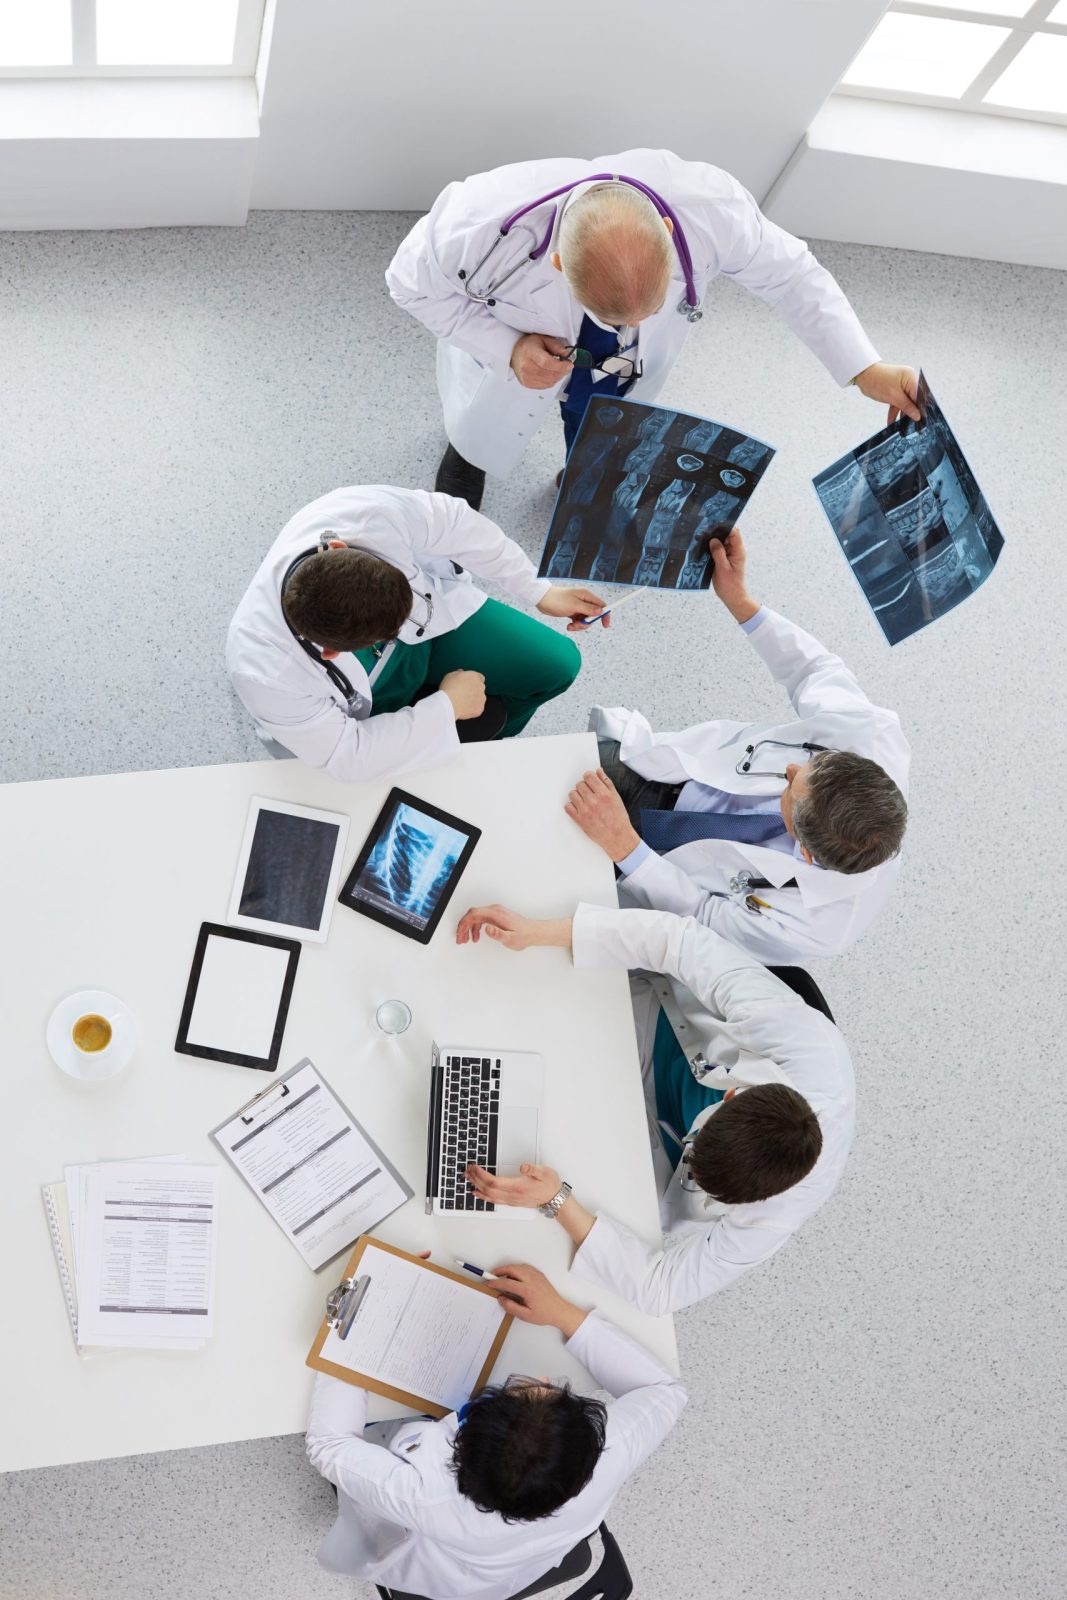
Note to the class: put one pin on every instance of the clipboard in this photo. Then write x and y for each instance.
(341, 1223)
(320, 1363)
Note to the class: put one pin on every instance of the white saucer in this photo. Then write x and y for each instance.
(100, 1063)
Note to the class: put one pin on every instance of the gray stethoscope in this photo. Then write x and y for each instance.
(342, 683)
(688, 305)
(744, 766)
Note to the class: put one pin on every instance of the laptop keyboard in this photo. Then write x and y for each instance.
(470, 1119)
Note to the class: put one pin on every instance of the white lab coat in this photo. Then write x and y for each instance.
(402, 1521)
(827, 911)
(727, 1008)
(428, 536)
(489, 417)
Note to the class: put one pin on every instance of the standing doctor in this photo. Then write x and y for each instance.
(546, 280)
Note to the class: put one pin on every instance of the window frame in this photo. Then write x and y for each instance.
(83, 64)
(1021, 30)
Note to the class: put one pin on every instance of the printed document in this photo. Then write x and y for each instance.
(313, 1167)
(417, 1330)
(145, 1250)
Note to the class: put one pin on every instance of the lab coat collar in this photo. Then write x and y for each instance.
(818, 886)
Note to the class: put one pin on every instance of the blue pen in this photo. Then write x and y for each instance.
(468, 1266)
(588, 621)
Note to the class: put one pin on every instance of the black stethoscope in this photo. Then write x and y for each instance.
(688, 306)
(744, 766)
(340, 680)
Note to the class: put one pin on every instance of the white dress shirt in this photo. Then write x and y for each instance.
(401, 1519)
(725, 1006)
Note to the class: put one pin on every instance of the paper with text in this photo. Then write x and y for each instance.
(417, 1330)
(146, 1251)
(312, 1166)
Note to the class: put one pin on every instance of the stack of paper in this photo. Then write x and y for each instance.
(142, 1236)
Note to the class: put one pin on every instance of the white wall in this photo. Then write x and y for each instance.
(920, 178)
(378, 106)
(126, 153)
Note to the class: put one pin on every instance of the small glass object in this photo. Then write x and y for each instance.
(392, 1017)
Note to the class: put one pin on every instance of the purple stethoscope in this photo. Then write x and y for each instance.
(688, 306)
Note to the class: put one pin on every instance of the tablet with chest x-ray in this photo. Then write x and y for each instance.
(409, 866)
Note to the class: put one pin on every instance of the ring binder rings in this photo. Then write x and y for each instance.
(54, 1196)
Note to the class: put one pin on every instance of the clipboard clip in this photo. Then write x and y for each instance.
(270, 1089)
(343, 1303)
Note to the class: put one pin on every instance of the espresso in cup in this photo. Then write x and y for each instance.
(91, 1033)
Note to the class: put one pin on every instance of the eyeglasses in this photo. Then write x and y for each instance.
(614, 366)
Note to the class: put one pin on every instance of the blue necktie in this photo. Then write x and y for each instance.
(666, 830)
(601, 343)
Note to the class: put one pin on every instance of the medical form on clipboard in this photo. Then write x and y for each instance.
(304, 1155)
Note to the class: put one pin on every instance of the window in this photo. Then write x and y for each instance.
(129, 38)
(1008, 57)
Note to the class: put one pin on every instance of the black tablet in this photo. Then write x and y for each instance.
(238, 997)
(409, 865)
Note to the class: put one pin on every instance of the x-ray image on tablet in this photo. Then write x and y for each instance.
(288, 869)
(409, 865)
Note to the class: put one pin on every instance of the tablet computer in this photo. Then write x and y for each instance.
(238, 995)
(288, 869)
(409, 866)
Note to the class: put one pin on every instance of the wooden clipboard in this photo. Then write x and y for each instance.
(316, 1360)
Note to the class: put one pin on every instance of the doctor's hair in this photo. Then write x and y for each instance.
(758, 1144)
(616, 253)
(524, 1452)
(347, 599)
(853, 815)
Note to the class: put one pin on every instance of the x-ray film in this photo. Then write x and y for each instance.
(644, 490)
(410, 865)
(913, 524)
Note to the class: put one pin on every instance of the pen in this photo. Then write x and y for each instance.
(588, 621)
(754, 900)
(468, 1266)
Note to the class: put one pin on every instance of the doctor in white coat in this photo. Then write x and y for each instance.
(510, 308)
(782, 836)
(403, 1519)
(353, 711)
(706, 1011)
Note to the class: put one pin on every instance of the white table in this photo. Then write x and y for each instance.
(106, 882)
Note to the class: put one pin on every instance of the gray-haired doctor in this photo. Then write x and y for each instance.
(750, 1094)
(546, 281)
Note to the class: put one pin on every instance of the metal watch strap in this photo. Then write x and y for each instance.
(553, 1207)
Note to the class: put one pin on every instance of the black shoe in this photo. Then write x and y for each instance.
(474, 730)
(458, 477)
(477, 730)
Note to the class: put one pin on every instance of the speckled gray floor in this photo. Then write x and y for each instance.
(879, 1413)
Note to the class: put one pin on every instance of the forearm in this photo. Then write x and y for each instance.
(456, 532)
(337, 1419)
(575, 1219)
(552, 932)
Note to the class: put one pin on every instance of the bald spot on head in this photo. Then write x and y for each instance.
(616, 254)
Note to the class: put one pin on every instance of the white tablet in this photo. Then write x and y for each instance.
(288, 870)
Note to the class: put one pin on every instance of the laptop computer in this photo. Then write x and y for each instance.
(485, 1106)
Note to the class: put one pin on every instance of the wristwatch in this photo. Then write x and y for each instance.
(553, 1207)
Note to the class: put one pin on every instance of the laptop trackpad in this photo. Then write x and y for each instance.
(516, 1139)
